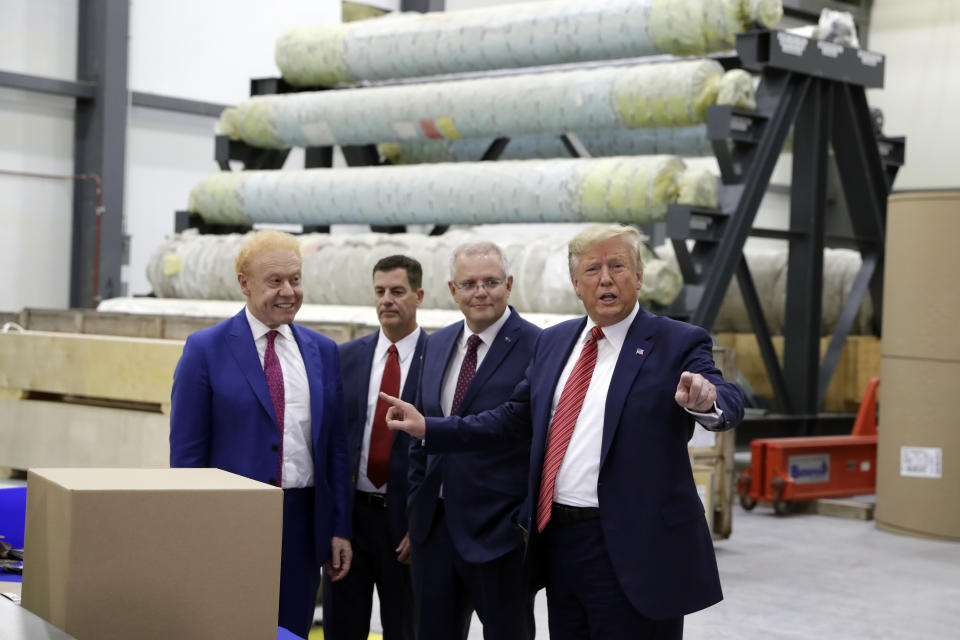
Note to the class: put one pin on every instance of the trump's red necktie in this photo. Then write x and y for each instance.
(274, 375)
(564, 419)
(378, 456)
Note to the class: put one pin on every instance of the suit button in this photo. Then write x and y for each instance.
(275, 448)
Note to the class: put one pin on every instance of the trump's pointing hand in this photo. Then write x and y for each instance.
(696, 393)
(403, 416)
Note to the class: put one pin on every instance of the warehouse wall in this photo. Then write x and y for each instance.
(37, 37)
(921, 39)
(201, 51)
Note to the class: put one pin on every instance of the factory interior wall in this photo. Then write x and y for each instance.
(208, 51)
(922, 96)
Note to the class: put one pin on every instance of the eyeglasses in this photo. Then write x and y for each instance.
(470, 286)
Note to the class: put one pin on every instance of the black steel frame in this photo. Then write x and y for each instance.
(819, 90)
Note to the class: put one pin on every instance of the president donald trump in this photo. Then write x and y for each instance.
(616, 529)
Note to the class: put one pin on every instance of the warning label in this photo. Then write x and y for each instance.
(921, 462)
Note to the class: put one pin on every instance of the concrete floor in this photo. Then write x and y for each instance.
(807, 576)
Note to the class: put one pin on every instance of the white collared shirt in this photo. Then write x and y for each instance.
(576, 483)
(297, 440)
(487, 336)
(405, 349)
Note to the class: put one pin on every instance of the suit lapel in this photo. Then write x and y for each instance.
(633, 355)
(502, 344)
(363, 376)
(556, 359)
(435, 368)
(244, 349)
(409, 390)
(314, 370)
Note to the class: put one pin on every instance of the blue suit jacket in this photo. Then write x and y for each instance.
(483, 490)
(652, 519)
(356, 358)
(221, 416)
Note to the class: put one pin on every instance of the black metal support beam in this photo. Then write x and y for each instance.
(780, 96)
(53, 86)
(769, 355)
(178, 105)
(808, 194)
(99, 243)
(422, 5)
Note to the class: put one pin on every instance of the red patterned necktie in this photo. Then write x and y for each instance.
(467, 369)
(378, 457)
(274, 374)
(564, 419)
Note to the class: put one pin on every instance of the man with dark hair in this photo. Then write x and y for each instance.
(388, 359)
(261, 397)
(467, 548)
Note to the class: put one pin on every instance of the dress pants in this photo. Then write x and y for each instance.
(348, 602)
(584, 597)
(447, 589)
(299, 570)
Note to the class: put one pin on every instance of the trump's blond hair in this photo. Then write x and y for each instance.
(598, 233)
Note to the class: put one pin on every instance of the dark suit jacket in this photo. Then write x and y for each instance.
(221, 416)
(356, 357)
(652, 518)
(483, 490)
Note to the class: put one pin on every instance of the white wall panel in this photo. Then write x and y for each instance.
(39, 37)
(921, 40)
(36, 135)
(209, 50)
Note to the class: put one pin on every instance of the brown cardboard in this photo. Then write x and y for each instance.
(917, 408)
(153, 553)
(921, 295)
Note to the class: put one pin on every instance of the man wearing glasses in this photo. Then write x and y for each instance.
(463, 507)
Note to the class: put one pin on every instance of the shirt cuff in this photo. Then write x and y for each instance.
(709, 420)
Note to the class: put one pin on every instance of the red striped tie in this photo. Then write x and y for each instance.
(564, 419)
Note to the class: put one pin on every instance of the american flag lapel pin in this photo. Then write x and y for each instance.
(639, 352)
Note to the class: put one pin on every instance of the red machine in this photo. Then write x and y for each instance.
(787, 470)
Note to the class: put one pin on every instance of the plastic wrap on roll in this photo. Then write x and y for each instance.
(681, 141)
(337, 268)
(666, 94)
(621, 189)
(519, 35)
(337, 271)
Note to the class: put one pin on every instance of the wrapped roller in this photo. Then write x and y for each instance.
(666, 94)
(518, 35)
(622, 189)
(204, 268)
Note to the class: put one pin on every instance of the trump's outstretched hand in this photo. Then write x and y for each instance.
(696, 393)
(403, 416)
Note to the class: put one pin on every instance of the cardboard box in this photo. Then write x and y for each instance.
(153, 553)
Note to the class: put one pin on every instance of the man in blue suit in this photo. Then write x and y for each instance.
(463, 507)
(262, 397)
(617, 532)
(386, 359)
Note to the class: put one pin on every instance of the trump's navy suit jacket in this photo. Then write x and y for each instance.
(221, 416)
(652, 519)
(482, 490)
(356, 358)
